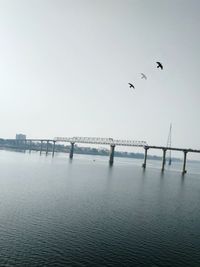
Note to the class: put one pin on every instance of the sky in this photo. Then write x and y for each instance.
(65, 66)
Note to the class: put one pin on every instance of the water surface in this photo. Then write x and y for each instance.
(56, 212)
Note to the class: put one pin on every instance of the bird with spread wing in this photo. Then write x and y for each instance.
(159, 65)
(143, 76)
(131, 85)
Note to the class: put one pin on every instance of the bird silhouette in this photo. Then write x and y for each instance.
(159, 65)
(143, 76)
(131, 85)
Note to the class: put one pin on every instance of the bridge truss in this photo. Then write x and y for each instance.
(102, 141)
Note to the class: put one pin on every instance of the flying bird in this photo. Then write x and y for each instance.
(131, 85)
(143, 76)
(159, 65)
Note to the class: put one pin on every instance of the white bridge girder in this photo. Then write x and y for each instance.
(102, 141)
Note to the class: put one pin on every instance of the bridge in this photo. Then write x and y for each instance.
(105, 141)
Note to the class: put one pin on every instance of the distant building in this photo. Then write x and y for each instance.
(20, 137)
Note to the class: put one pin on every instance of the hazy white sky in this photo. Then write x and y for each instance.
(65, 67)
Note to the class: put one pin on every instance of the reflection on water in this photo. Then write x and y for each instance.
(58, 212)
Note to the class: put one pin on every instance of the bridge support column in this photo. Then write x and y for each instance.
(71, 154)
(163, 160)
(112, 152)
(41, 147)
(30, 143)
(53, 148)
(184, 162)
(47, 149)
(145, 158)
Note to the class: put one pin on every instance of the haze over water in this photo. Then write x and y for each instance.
(55, 212)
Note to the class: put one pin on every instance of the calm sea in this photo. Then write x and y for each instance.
(56, 212)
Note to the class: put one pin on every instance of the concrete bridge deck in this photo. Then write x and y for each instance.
(173, 148)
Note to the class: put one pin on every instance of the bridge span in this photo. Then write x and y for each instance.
(102, 141)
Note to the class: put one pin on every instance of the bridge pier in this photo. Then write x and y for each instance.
(71, 154)
(53, 148)
(41, 147)
(47, 149)
(25, 144)
(184, 162)
(112, 152)
(163, 160)
(30, 143)
(145, 158)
